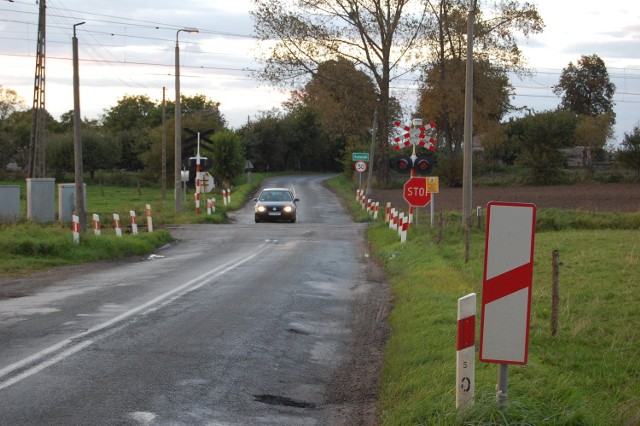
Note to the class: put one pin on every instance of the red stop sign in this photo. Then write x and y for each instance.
(415, 192)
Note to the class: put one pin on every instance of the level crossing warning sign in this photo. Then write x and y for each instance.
(506, 290)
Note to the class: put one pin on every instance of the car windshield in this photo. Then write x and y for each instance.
(275, 196)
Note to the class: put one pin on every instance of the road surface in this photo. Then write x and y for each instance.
(234, 324)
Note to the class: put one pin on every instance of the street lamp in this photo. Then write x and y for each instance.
(178, 126)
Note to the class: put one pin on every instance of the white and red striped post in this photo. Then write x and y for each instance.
(387, 213)
(376, 210)
(197, 197)
(394, 220)
(400, 222)
(208, 206)
(465, 351)
(75, 228)
(410, 215)
(369, 205)
(224, 196)
(149, 219)
(392, 213)
(117, 225)
(213, 205)
(358, 194)
(404, 229)
(228, 196)
(363, 201)
(96, 224)
(134, 224)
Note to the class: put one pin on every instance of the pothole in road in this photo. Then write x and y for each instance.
(283, 401)
(296, 331)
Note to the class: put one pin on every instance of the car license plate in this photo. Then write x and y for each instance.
(274, 213)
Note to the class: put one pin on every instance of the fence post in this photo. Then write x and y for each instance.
(555, 292)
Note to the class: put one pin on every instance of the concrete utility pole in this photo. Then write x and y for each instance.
(77, 137)
(468, 134)
(164, 144)
(36, 164)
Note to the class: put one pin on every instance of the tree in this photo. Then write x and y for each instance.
(585, 88)
(629, 152)
(541, 136)
(10, 102)
(227, 157)
(377, 36)
(495, 54)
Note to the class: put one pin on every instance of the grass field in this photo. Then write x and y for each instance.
(26, 246)
(588, 374)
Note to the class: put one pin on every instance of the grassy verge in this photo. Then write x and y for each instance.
(588, 374)
(28, 246)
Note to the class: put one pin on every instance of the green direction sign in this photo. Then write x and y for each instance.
(360, 156)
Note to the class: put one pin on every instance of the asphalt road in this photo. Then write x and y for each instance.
(233, 324)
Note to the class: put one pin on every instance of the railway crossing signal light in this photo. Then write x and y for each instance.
(423, 165)
(403, 164)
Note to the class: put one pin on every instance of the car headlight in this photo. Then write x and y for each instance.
(261, 209)
(288, 209)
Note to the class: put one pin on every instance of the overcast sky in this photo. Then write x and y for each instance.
(127, 48)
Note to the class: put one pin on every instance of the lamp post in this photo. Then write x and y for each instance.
(178, 126)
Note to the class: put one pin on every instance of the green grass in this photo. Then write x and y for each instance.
(27, 246)
(588, 374)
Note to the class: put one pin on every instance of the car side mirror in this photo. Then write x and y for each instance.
(295, 200)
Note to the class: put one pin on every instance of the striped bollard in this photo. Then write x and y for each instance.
(410, 215)
(134, 224)
(465, 351)
(357, 195)
(213, 205)
(197, 197)
(369, 205)
(96, 224)
(392, 213)
(75, 228)
(117, 225)
(224, 196)
(208, 206)
(405, 227)
(400, 223)
(363, 201)
(394, 220)
(149, 220)
(376, 210)
(228, 196)
(387, 213)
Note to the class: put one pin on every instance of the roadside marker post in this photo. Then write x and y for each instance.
(506, 289)
(96, 224)
(117, 225)
(400, 222)
(466, 351)
(149, 219)
(134, 224)
(75, 228)
(387, 213)
(376, 210)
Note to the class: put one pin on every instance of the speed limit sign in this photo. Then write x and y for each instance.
(360, 166)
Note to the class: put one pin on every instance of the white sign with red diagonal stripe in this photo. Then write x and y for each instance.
(506, 290)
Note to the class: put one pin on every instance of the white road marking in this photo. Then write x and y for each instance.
(45, 358)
